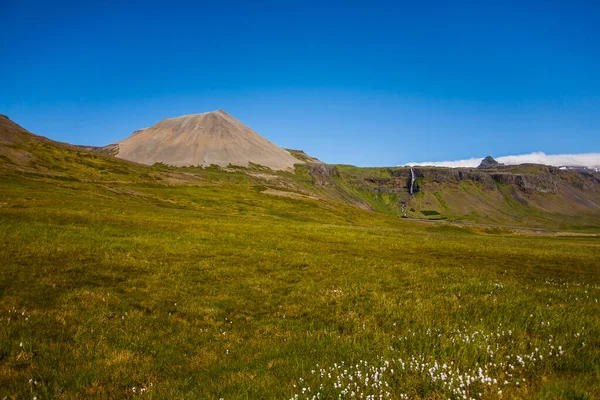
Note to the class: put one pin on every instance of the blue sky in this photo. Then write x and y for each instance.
(365, 83)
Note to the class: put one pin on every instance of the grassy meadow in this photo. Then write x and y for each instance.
(214, 289)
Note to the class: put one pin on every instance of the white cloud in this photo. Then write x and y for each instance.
(471, 162)
(590, 160)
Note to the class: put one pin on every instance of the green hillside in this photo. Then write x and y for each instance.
(119, 280)
(532, 196)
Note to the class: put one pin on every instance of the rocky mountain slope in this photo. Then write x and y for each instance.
(213, 138)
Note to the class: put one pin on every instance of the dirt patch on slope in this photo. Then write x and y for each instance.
(290, 195)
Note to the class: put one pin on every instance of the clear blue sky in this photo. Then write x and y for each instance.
(364, 83)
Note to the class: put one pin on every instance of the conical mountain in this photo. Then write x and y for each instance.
(203, 139)
(488, 162)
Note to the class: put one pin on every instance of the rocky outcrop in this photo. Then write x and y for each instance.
(537, 183)
(488, 162)
(302, 156)
(526, 178)
(455, 175)
(322, 173)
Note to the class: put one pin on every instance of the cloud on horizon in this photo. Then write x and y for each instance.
(590, 160)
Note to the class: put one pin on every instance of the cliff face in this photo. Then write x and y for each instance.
(536, 195)
(532, 178)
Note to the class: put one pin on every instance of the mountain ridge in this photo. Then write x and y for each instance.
(529, 195)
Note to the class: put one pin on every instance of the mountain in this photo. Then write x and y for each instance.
(488, 162)
(212, 138)
(16, 140)
(25, 155)
(12, 133)
(529, 195)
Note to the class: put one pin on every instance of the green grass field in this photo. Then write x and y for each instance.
(116, 289)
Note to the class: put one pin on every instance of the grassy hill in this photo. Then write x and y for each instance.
(119, 280)
(533, 196)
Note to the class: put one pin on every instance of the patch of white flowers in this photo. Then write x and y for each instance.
(140, 390)
(404, 377)
(14, 314)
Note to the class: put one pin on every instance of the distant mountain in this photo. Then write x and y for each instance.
(585, 160)
(212, 138)
(488, 162)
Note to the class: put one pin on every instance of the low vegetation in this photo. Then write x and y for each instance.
(197, 283)
(216, 290)
(429, 212)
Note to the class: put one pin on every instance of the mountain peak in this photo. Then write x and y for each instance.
(199, 115)
(213, 137)
(488, 162)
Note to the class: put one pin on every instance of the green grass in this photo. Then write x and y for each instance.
(119, 280)
(429, 212)
(215, 290)
(373, 172)
(440, 199)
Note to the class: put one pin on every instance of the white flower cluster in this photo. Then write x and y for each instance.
(141, 389)
(394, 377)
(15, 314)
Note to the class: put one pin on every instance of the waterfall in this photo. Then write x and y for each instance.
(412, 180)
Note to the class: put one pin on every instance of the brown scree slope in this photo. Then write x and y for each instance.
(204, 139)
